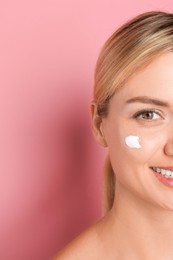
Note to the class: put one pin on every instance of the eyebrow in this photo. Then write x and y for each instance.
(147, 100)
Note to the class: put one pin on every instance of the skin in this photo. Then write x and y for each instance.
(139, 226)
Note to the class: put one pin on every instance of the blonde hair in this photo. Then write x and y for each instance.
(130, 48)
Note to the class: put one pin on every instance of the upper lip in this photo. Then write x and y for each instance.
(168, 168)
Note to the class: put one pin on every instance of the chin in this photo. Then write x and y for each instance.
(167, 205)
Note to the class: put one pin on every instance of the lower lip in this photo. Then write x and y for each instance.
(166, 181)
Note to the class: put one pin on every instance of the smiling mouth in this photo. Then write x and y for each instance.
(165, 173)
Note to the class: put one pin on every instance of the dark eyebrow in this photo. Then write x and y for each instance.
(147, 100)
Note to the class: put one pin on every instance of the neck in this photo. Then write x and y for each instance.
(139, 227)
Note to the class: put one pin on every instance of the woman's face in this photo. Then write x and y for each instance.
(144, 108)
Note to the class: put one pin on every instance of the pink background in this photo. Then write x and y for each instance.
(50, 165)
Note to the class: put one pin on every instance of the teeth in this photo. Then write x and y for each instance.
(158, 170)
(168, 173)
(163, 172)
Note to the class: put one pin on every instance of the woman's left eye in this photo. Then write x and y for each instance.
(148, 115)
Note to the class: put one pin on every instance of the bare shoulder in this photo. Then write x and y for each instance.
(86, 246)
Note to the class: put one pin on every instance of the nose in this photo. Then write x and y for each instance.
(168, 149)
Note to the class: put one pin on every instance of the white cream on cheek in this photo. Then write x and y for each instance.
(132, 141)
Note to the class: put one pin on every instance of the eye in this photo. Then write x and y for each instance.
(147, 115)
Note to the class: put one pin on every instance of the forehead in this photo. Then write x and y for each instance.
(155, 80)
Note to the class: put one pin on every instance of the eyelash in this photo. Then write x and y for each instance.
(139, 113)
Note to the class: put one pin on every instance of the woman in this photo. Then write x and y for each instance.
(132, 115)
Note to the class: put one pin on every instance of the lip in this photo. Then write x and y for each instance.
(168, 182)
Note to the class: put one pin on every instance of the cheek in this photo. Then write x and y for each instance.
(152, 148)
(140, 149)
(132, 141)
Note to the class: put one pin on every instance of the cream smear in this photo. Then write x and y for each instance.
(132, 141)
